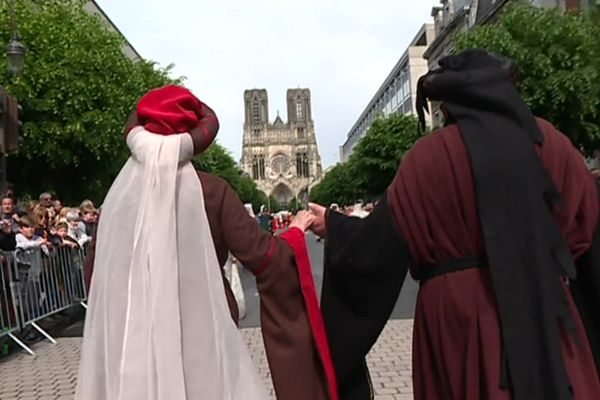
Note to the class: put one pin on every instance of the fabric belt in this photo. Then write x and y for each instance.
(459, 264)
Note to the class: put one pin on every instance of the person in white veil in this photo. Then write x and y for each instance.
(161, 322)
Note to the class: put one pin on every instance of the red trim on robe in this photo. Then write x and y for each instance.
(267, 259)
(295, 238)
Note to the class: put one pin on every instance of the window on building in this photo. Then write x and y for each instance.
(301, 132)
(258, 167)
(302, 165)
(299, 110)
(254, 167)
(256, 132)
(255, 111)
(261, 167)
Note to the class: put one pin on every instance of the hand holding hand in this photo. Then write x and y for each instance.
(303, 220)
(318, 226)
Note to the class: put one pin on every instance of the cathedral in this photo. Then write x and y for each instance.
(281, 157)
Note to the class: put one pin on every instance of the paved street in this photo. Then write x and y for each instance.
(52, 374)
(404, 306)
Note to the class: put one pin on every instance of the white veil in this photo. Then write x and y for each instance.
(158, 326)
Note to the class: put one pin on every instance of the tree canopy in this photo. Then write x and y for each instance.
(559, 60)
(76, 91)
(218, 161)
(373, 164)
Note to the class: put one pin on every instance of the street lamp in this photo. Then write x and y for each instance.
(15, 52)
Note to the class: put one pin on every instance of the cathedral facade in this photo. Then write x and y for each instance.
(281, 157)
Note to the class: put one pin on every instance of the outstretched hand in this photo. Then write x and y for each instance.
(303, 220)
(318, 226)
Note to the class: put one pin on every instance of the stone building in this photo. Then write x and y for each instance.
(397, 93)
(94, 8)
(281, 157)
(455, 16)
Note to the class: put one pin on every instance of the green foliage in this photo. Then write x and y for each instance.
(559, 59)
(373, 164)
(273, 205)
(294, 205)
(76, 91)
(377, 156)
(218, 161)
(337, 186)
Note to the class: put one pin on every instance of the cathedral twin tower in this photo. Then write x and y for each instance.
(281, 157)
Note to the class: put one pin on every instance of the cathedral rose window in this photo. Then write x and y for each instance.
(280, 164)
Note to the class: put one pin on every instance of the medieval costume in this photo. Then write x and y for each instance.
(161, 323)
(490, 214)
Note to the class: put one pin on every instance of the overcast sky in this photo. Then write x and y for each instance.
(341, 50)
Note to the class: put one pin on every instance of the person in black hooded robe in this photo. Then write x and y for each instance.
(494, 214)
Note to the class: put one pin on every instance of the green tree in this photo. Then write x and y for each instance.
(337, 186)
(376, 158)
(76, 91)
(559, 59)
(373, 164)
(218, 161)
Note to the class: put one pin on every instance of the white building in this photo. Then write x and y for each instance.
(397, 94)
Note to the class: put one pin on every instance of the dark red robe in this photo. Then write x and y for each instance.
(456, 340)
(292, 328)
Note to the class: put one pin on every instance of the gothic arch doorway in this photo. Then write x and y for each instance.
(283, 194)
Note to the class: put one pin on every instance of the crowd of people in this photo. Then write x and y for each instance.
(274, 222)
(45, 223)
(36, 232)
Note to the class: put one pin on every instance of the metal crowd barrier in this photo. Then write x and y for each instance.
(37, 284)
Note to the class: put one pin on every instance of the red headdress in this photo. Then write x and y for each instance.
(172, 110)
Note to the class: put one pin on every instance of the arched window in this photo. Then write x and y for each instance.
(255, 111)
(299, 110)
(254, 168)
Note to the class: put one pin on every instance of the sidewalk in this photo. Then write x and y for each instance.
(52, 374)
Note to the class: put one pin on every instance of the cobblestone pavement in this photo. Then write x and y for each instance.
(52, 374)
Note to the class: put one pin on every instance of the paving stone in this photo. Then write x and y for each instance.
(52, 374)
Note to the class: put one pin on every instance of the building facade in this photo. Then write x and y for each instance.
(281, 157)
(454, 16)
(93, 8)
(397, 94)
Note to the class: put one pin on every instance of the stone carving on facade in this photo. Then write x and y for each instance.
(281, 157)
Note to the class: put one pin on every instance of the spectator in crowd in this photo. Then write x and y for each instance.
(30, 206)
(27, 239)
(76, 229)
(7, 235)
(62, 215)
(9, 214)
(90, 219)
(43, 227)
(46, 202)
(62, 230)
(265, 218)
(57, 206)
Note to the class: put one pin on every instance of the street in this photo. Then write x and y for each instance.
(52, 374)
(404, 306)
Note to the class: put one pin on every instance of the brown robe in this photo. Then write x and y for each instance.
(430, 217)
(296, 364)
(457, 338)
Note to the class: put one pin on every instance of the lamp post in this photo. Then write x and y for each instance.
(15, 54)
(10, 109)
(15, 51)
